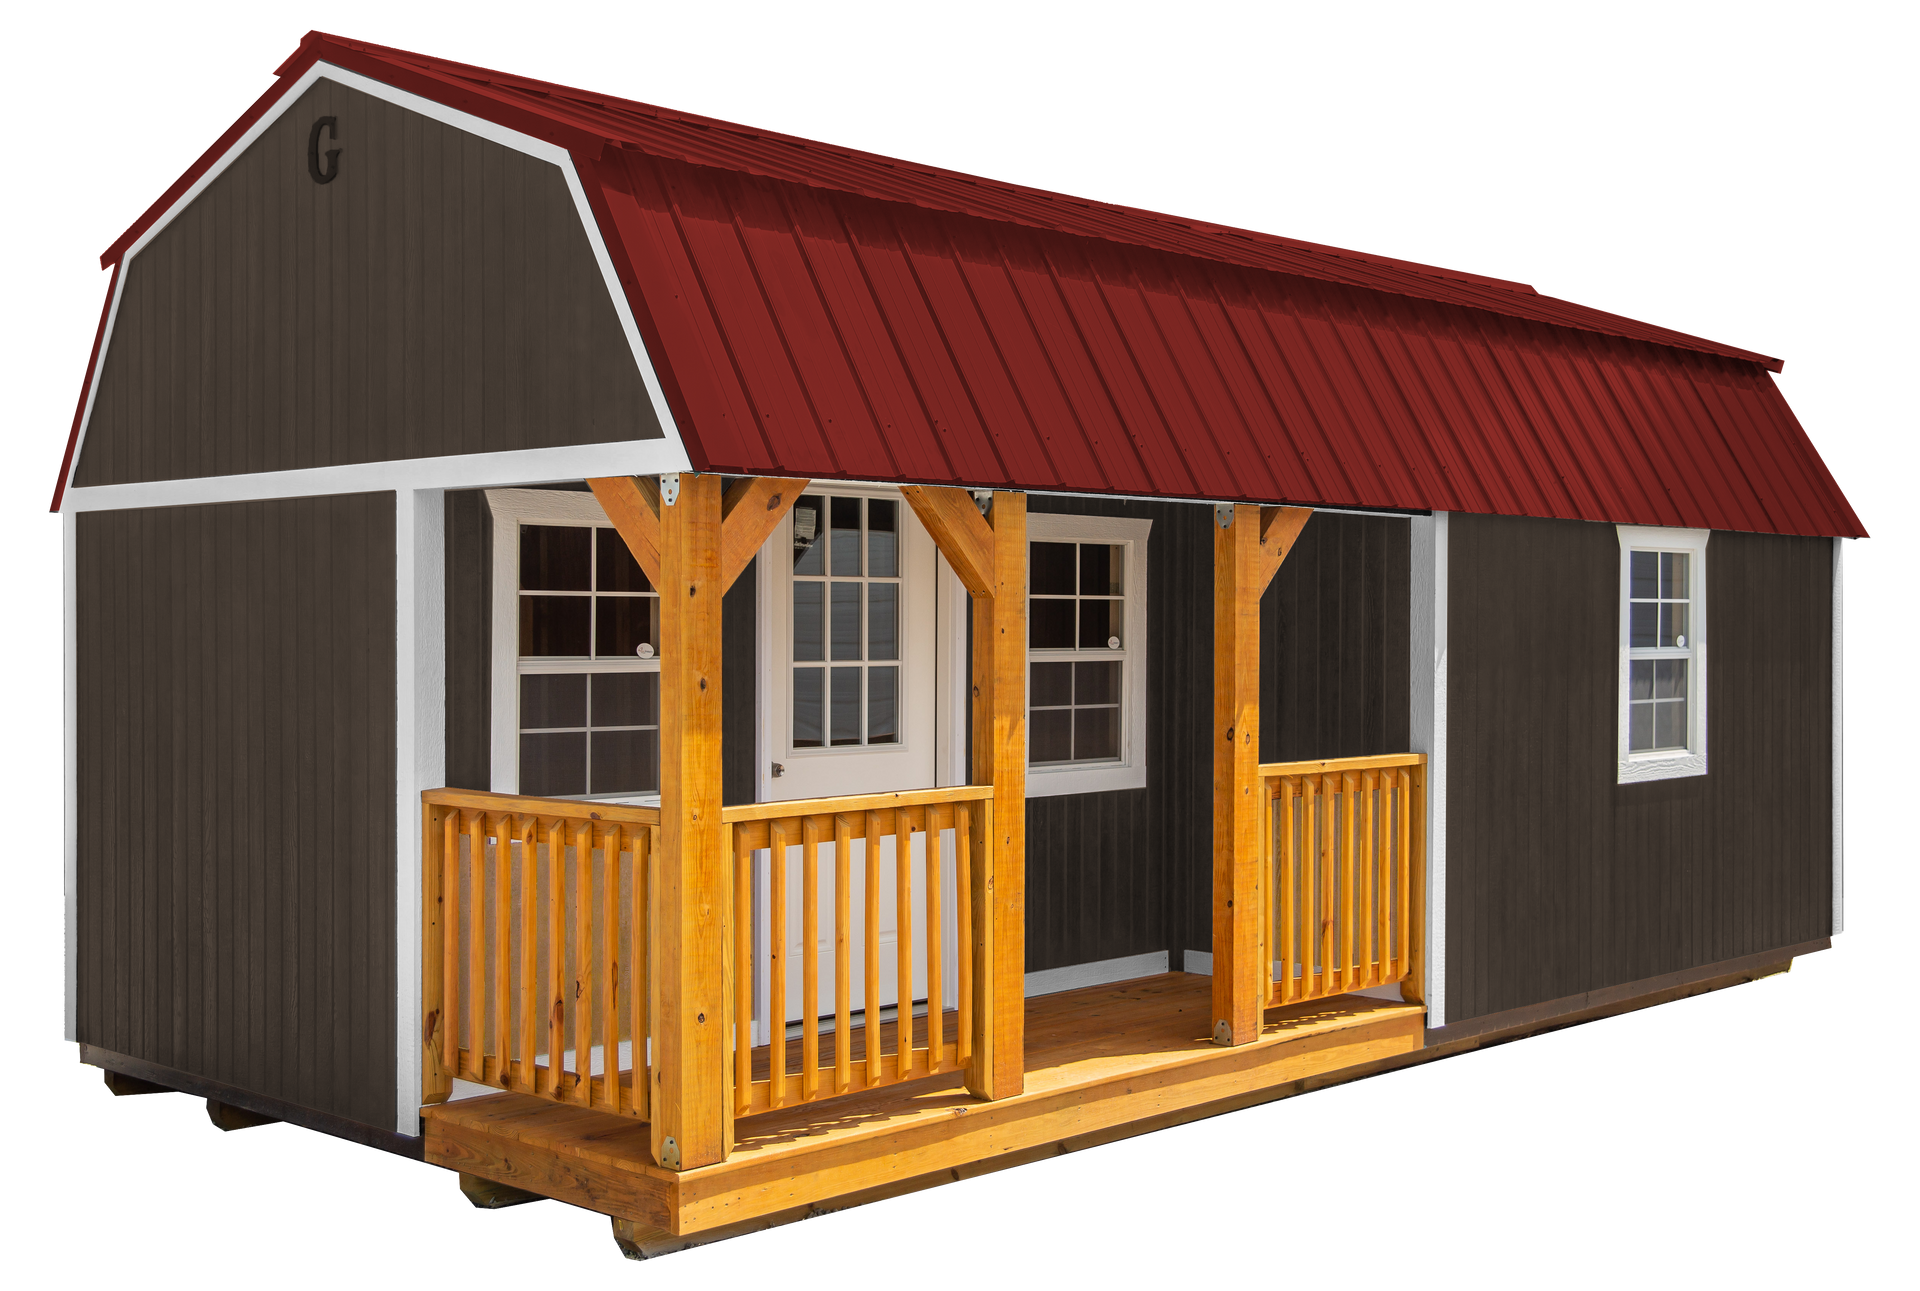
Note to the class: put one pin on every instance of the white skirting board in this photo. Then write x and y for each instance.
(1051, 981)
(1201, 962)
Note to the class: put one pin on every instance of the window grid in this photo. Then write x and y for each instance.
(602, 559)
(1076, 652)
(1660, 651)
(844, 647)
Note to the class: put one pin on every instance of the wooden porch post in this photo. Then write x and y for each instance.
(692, 1100)
(1249, 543)
(999, 757)
(1238, 888)
(989, 556)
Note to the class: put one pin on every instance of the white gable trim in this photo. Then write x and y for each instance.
(675, 455)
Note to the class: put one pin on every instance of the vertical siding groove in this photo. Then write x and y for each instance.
(277, 324)
(236, 709)
(1567, 881)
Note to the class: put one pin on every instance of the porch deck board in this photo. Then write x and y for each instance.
(1099, 1060)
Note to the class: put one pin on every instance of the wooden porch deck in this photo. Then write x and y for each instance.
(1102, 1063)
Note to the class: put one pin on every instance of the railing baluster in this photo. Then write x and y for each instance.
(777, 964)
(1365, 861)
(637, 938)
(903, 941)
(963, 920)
(610, 972)
(870, 1004)
(528, 921)
(1383, 851)
(1405, 965)
(556, 955)
(1268, 942)
(842, 954)
(742, 973)
(810, 959)
(936, 983)
(1304, 863)
(1329, 888)
(476, 947)
(450, 944)
(1349, 956)
(1289, 856)
(502, 1046)
(583, 967)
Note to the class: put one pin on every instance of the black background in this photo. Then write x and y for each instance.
(1723, 185)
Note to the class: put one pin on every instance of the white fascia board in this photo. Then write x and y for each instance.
(567, 464)
(676, 455)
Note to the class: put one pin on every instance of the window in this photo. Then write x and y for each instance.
(582, 679)
(1086, 653)
(1663, 653)
(846, 622)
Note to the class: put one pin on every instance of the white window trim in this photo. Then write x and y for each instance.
(1130, 772)
(512, 508)
(1666, 764)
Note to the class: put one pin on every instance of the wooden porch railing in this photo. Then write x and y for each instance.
(537, 945)
(1347, 842)
(536, 942)
(864, 1058)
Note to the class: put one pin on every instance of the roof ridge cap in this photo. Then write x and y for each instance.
(608, 102)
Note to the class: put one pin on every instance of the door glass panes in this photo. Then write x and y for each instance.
(589, 686)
(1660, 646)
(846, 621)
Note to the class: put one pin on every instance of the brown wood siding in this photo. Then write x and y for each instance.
(1333, 642)
(469, 640)
(1128, 872)
(1559, 879)
(235, 757)
(439, 297)
(740, 688)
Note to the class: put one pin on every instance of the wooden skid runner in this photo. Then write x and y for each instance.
(1099, 1060)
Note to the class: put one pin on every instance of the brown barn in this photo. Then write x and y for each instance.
(1127, 668)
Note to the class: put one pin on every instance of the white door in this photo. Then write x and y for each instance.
(849, 685)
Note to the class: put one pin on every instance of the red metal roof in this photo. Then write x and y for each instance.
(821, 312)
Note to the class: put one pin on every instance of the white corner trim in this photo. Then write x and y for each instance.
(420, 755)
(1839, 742)
(1427, 675)
(1197, 961)
(1051, 981)
(1130, 772)
(1639, 768)
(70, 757)
(676, 454)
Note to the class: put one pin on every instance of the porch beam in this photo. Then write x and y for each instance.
(997, 1068)
(750, 511)
(1279, 529)
(692, 1099)
(961, 532)
(632, 503)
(1242, 566)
